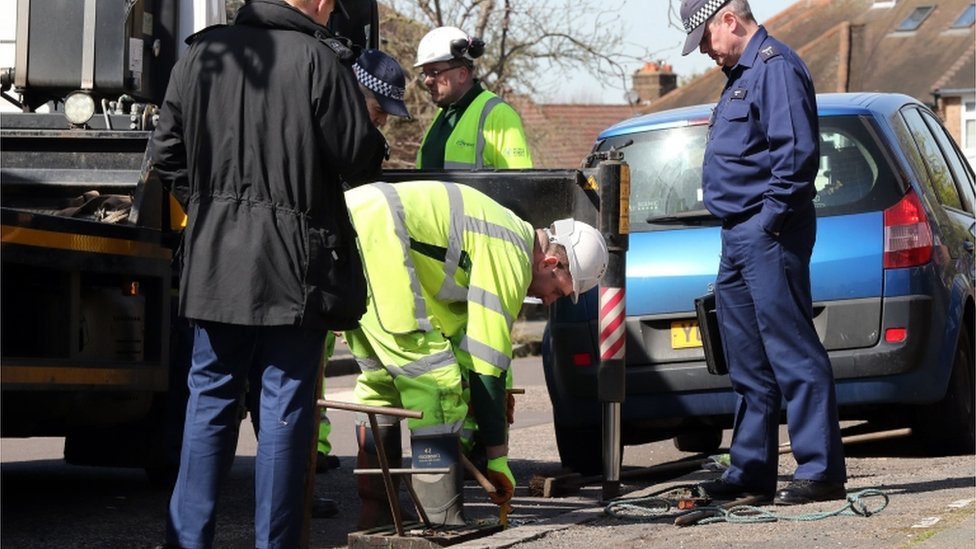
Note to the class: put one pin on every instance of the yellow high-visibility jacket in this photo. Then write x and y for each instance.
(446, 257)
(488, 135)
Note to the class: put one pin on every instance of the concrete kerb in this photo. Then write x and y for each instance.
(529, 532)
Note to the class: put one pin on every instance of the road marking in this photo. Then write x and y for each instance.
(959, 504)
(926, 522)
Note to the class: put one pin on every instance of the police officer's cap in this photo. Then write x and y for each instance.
(694, 14)
(383, 76)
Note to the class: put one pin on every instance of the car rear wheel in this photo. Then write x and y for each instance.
(580, 449)
(949, 426)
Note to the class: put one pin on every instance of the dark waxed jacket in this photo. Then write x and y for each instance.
(260, 124)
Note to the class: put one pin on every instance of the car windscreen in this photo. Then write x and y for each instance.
(665, 173)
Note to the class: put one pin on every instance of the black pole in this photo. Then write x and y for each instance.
(613, 176)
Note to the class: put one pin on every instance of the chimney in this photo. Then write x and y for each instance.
(653, 80)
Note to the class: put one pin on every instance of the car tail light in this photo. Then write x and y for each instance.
(582, 359)
(895, 335)
(908, 237)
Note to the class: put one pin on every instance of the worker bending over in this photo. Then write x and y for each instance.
(448, 269)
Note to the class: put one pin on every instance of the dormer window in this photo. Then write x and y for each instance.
(966, 18)
(915, 19)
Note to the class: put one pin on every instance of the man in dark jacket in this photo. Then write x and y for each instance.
(261, 123)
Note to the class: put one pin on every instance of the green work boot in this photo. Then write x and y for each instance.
(440, 494)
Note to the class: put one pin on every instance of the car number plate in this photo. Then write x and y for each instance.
(685, 334)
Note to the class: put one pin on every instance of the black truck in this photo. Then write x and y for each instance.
(92, 348)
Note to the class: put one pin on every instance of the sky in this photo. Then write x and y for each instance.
(645, 23)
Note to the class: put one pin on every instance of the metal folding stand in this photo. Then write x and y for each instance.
(384, 469)
(424, 535)
(368, 539)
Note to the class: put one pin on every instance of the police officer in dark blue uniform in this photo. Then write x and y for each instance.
(758, 178)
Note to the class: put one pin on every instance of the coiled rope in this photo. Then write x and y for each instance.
(652, 508)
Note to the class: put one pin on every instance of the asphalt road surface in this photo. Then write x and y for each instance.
(46, 503)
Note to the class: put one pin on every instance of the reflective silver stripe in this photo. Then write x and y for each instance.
(437, 430)
(400, 226)
(450, 290)
(489, 301)
(367, 364)
(485, 352)
(493, 230)
(479, 151)
(425, 365)
(467, 433)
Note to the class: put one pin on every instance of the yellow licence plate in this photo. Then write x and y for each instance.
(685, 334)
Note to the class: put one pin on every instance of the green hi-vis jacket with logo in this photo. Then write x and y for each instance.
(488, 135)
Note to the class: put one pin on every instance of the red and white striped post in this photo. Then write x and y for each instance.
(612, 315)
(613, 176)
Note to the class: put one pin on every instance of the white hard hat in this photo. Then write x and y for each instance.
(586, 251)
(447, 43)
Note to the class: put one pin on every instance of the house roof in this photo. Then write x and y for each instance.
(561, 135)
(851, 45)
(961, 75)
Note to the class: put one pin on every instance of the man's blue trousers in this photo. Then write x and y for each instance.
(223, 355)
(764, 309)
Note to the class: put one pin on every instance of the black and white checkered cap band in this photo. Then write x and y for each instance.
(702, 14)
(376, 85)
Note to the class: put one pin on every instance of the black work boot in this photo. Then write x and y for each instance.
(324, 507)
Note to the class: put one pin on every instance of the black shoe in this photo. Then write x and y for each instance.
(807, 491)
(324, 507)
(724, 490)
(324, 462)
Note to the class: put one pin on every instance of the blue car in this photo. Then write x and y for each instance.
(892, 278)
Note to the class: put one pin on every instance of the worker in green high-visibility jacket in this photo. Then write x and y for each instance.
(473, 128)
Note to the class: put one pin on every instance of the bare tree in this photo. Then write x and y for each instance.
(231, 7)
(526, 39)
(529, 45)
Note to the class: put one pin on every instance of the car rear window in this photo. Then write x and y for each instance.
(665, 173)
